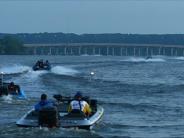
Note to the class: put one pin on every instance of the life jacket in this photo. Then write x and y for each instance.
(81, 106)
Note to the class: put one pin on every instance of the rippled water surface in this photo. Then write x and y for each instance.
(141, 98)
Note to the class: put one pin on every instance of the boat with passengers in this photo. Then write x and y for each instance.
(41, 65)
(60, 116)
(10, 88)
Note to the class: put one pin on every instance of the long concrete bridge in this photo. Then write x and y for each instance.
(107, 49)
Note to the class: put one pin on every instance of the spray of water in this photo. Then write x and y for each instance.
(7, 99)
(14, 69)
(63, 70)
(138, 59)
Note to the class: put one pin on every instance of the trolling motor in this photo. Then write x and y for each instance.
(61, 98)
(58, 97)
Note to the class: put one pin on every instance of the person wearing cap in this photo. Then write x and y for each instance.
(43, 103)
(77, 105)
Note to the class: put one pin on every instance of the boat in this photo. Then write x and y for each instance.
(11, 89)
(65, 119)
(40, 65)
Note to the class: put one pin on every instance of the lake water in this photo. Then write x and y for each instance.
(141, 98)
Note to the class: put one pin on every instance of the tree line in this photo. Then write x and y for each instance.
(10, 45)
(167, 39)
(13, 43)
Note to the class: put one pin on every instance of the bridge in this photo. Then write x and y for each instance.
(106, 49)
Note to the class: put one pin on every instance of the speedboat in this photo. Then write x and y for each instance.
(66, 120)
(40, 65)
(11, 89)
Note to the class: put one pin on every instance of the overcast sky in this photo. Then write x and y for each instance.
(92, 16)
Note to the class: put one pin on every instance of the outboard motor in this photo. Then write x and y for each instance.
(60, 98)
(93, 104)
(48, 117)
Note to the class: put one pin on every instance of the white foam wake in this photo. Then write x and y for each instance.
(63, 70)
(7, 99)
(35, 74)
(179, 58)
(138, 59)
(14, 69)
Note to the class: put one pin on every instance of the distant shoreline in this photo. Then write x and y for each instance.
(114, 38)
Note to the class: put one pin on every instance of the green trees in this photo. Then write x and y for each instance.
(1, 48)
(10, 46)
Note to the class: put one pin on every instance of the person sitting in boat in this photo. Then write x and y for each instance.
(37, 63)
(78, 105)
(48, 113)
(41, 64)
(47, 63)
(43, 103)
(12, 88)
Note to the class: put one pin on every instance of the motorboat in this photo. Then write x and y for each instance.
(40, 65)
(64, 119)
(11, 89)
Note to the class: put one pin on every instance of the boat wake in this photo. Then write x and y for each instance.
(60, 70)
(138, 59)
(35, 74)
(7, 99)
(14, 69)
(179, 58)
(91, 55)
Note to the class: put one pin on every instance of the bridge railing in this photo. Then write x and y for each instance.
(105, 49)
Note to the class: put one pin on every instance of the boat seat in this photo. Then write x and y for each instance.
(76, 114)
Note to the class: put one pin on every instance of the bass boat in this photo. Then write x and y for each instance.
(40, 65)
(11, 89)
(59, 117)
